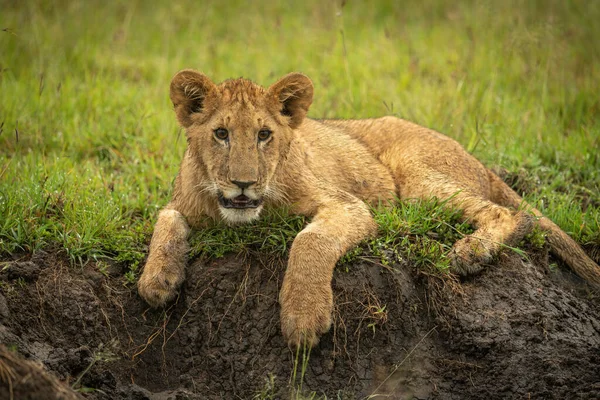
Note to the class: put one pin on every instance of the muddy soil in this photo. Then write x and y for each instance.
(515, 331)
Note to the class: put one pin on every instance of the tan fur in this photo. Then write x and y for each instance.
(329, 170)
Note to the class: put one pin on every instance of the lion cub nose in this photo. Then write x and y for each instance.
(243, 185)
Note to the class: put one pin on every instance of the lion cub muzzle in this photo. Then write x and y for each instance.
(237, 205)
(246, 199)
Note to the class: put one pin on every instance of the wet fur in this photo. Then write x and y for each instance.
(329, 170)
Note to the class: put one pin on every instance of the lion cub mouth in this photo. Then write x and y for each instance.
(240, 201)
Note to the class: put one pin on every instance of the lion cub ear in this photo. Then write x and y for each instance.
(191, 93)
(293, 95)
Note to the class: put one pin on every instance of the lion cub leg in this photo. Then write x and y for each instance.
(306, 296)
(164, 271)
(496, 227)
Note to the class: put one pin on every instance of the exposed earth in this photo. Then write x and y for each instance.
(516, 331)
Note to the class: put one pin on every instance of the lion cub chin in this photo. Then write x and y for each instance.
(251, 148)
(240, 216)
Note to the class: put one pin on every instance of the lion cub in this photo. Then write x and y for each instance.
(251, 148)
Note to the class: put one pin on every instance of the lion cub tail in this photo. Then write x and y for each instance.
(561, 244)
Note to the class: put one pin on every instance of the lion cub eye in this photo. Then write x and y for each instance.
(221, 133)
(264, 134)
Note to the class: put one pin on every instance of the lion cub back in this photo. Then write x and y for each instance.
(340, 161)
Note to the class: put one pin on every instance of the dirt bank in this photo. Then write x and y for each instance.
(515, 331)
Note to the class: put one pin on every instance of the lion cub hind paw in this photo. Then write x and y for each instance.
(465, 269)
(469, 256)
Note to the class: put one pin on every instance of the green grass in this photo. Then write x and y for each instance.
(271, 234)
(89, 145)
(421, 231)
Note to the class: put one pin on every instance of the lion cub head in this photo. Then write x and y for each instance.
(238, 133)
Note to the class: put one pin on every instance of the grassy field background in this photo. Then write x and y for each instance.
(89, 145)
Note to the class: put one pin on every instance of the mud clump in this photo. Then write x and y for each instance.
(25, 380)
(514, 331)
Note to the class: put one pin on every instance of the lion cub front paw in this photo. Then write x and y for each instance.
(305, 314)
(159, 288)
(468, 255)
